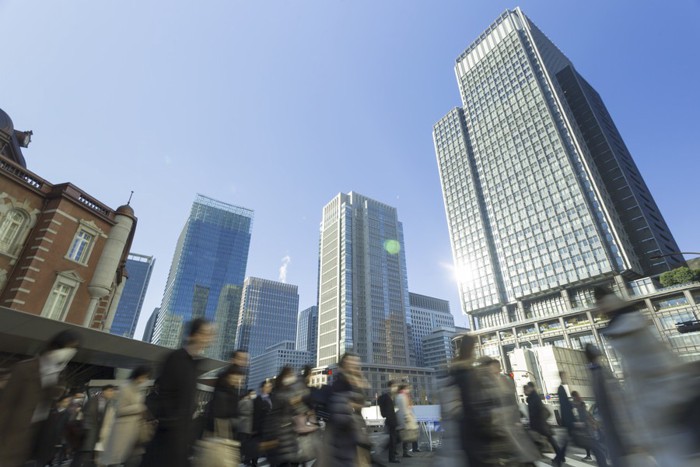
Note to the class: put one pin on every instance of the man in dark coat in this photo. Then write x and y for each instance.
(261, 409)
(93, 419)
(26, 401)
(538, 415)
(172, 443)
(386, 408)
(566, 410)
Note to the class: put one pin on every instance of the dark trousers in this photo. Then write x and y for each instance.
(391, 444)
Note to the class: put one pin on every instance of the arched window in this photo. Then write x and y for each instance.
(11, 228)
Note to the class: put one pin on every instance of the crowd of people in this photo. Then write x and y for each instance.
(289, 423)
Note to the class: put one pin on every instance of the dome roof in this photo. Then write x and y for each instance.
(126, 210)
(6, 125)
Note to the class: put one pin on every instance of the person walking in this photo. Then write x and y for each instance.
(538, 415)
(566, 411)
(98, 417)
(661, 385)
(261, 409)
(26, 400)
(406, 424)
(51, 438)
(122, 444)
(388, 411)
(245, 425)
(347, 442)
(175, 405)
(282, 429)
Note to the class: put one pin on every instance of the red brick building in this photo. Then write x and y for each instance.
(62, 252)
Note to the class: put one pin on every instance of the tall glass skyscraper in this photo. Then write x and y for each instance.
(268, 315)
(139, 268)
(543, 199)
(209, 262)
(426, 315)
(363, 285)
(307, 331)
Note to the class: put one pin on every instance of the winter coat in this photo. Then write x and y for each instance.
(402, 411)
(224, 405)
(124, 435)
(566, 409)
(261, 409)
(245, 416)
(386, 407)
(536, 411)
(18, 402)
(344, 434)
(658, 385)
(279, 427)
(175, 407)
(94, 422)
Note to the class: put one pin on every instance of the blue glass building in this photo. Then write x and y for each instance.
(209, 262)
(138, 268)
(268, 315)
(150, 326)
(307, 331)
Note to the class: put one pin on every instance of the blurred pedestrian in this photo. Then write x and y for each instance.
(584, 418)
(619, 433)
(388, 411)
(261, 409)
(658, 382)
(346, 439)
(123, 442)
(508, 444)
(286, 422)
(98, 417)
(245, 426)
(538, 415)
(30, 393)
(172, 443)
(222, 419)
(52, 435)
(406, 420)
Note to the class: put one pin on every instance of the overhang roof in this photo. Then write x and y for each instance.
(26, 334)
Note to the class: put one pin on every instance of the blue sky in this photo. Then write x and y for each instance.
(279, 105)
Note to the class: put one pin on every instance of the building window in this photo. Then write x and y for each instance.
(58, 302)
(81, 247)
(10, 230)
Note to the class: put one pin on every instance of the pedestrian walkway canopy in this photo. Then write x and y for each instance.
(25, 335)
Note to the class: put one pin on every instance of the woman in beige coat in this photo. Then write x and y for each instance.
(123, 439)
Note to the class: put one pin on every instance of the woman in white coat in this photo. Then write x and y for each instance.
(123, 439)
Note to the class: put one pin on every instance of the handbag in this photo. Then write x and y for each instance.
(304, 424)
(147, 430)
(217, 449)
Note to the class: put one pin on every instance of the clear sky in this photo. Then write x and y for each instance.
(279, 105)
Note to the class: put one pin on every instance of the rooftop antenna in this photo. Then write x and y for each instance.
(129, 202)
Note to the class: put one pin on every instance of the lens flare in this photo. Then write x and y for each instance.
(392, 247)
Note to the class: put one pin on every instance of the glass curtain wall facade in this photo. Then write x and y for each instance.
(426, 315)
(268, 315)
(542, 197)
(210, 258)
(536, 198)
(363, 285)
(307, 331)
(139, 268)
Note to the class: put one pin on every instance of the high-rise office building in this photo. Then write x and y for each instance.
(210, 257)
(138, 269)
(268, 315)
(363, 285)
(543, 199)
(307, 330)
(150, 326)
(269, 363)
(425, 315)
(363, 294)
